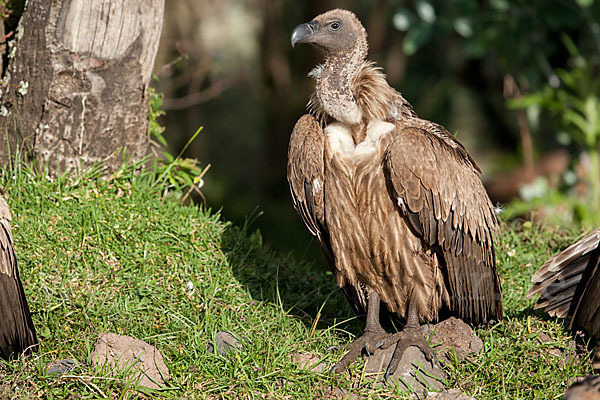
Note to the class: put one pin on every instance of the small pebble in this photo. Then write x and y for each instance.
(225, 342)
(60, 367)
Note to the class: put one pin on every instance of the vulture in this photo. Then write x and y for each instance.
(569, 286)
(586, 389)
(395, 201)
(17, 333)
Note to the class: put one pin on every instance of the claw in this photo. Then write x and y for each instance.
(406, 339)
(332, 348)
(386, 375)
(393, 365)
(368, 342)
(367, 349)
(429, 355)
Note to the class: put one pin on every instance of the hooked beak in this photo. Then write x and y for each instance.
(303, 32)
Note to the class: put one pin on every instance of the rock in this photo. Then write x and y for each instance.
(60, 367)
(414, 374)
(334, 392)
(452, 394)
(225, 342)
(544, 338)
(309, 362)
(568, 354)
(453, 333)
(143, 361)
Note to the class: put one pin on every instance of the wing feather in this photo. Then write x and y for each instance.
(305, 173)
(568, 284)
(17, 333)
(448, 207)
(558, 278)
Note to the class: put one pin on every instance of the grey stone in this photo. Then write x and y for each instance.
(60, 367)
(309, 362)
(139, 360)
(225, 343)
(452, 394)
(414, 374)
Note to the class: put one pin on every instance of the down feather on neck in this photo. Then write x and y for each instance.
(371, 93)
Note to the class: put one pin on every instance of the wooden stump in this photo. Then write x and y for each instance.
(75, 92)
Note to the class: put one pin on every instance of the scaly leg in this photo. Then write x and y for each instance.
(410, 336)
(371, 338)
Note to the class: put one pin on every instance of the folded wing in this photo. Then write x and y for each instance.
(305, 172)
(437, 187)
(17, 333)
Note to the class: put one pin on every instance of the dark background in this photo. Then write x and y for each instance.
(227, 65)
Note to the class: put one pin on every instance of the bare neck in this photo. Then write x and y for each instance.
(334, 84)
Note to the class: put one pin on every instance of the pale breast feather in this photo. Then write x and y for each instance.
(378, 128)
(340, 138)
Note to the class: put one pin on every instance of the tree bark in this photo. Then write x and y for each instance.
(75, 92)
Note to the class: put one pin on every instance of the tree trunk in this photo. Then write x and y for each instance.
(75, 92)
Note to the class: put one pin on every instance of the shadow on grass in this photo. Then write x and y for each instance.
(299, 287)
(528, 312)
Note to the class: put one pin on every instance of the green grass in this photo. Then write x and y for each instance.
(100, 255)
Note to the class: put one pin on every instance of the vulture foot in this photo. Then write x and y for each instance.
(369, 341)
(410, 336)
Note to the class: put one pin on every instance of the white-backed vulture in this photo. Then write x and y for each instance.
(17, 333)
(569, 286)
(395, 201)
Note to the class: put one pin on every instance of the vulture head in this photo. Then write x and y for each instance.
(336, 32)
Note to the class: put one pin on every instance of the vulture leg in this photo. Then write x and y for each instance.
(411, 335)
(371, 338)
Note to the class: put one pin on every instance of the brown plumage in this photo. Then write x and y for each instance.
(569, 283)
(394, 200)
(17, 333)
(586, 389)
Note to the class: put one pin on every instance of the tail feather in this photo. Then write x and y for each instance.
(586, 307)
(558, 306)
(559, 281)
(571, 254)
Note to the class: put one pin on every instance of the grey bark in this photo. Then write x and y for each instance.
(75, 92)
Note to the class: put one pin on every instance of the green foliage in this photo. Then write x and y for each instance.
(183, 175)
(522, 39)
(4, 9)
(520, 35)
(576, 105)
(155, 111)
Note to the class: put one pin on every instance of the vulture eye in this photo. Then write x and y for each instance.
(335, 26)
